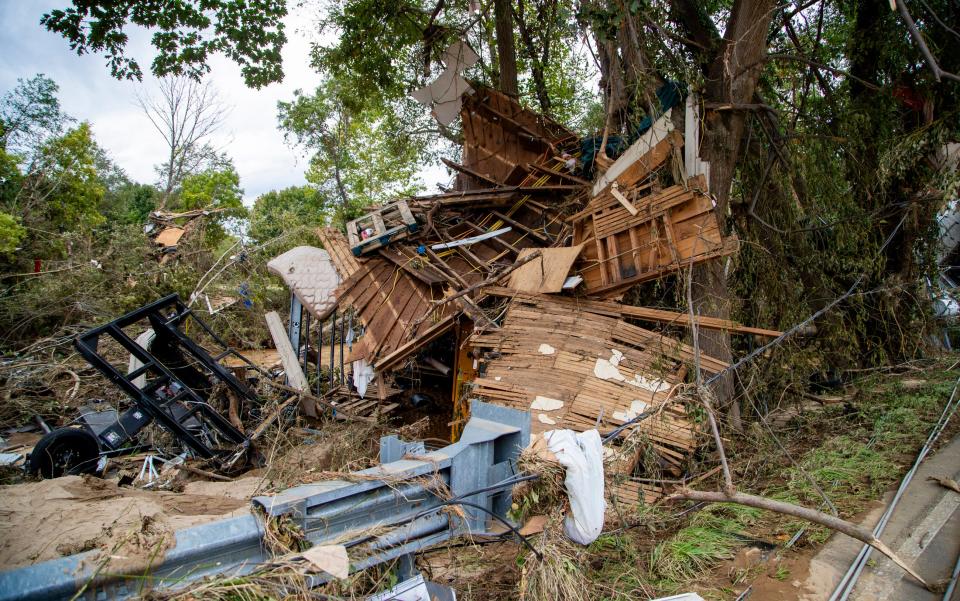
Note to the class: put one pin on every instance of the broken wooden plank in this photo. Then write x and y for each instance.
(615, 190)
(291, 363)
(470, 240)
(471, 173)
(665, 316)
(529, 231)
(560, 174)
(643, 156)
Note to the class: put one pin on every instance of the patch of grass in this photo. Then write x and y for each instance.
(712, 536)
(615, 572)
(842, 467)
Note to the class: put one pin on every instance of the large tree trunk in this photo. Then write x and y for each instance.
(506, 53)
(732, 79)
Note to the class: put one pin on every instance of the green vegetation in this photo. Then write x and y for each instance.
(855, 452)
(185, 34)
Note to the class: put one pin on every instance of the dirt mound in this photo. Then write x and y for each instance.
(51, 518)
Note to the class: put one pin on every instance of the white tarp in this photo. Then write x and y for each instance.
(362, 376)
(582, 456)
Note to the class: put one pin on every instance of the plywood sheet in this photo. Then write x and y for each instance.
(169, 236)
(546, 273)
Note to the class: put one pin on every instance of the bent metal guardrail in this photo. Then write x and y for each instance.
(402, 507)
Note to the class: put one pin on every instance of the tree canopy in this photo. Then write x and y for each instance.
(185, 34)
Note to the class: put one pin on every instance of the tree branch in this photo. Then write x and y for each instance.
(804, 513)
(938, 73)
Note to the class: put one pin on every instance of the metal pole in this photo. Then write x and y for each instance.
(342, 324)
(350, 334)
(333, 343)
(953, 581)
(306, 342)
(319, 353)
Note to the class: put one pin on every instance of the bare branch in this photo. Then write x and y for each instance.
(804, 513)
(938, 73)
(186, 113)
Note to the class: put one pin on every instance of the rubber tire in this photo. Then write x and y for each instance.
(64, 452)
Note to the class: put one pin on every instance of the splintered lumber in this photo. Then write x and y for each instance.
(683, 319)
(575, 369)
(632, 493)
(422, 339)
(291, 363)
(500, 136)
(272, 417)
(559, 174)
(388, 302)
(643, 156)
(486, 180)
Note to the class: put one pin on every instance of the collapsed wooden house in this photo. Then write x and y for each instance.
(507, 284)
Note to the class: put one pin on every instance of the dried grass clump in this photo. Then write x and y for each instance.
(545, 495)
(559, 575)
(282, 536)
(281, 580)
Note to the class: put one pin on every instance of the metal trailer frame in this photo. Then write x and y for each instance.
(181, 413)
(473, 470)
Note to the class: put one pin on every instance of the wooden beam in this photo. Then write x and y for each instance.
(403, 262)
(466, 252)
(291, 363)
(496, 239)
(405, 350)
(560, 174)
(665, 316)
(615, 191)
(471, 173)
(533, 233)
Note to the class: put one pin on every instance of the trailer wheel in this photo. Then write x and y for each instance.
(63, 452)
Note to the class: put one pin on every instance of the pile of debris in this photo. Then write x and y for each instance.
(492, 308)
(168, 230)
(506, 287)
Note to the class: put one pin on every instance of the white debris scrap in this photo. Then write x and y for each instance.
(636, 408)
(608, 369)
(543, 403)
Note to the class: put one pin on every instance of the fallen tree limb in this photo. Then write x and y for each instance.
(203, 473)
(811, 515)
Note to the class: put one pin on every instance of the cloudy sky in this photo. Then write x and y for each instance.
(87, 92)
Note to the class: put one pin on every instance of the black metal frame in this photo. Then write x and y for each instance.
(166, 316)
